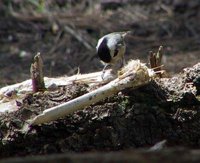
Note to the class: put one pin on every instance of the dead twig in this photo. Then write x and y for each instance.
(155, 61)
(37, 74)
(158, 146)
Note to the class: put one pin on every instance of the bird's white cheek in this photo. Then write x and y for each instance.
(111, 43)
(112, 52)
(99, 42)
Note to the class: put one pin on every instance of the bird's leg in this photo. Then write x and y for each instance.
(103, 71)
(123, 62)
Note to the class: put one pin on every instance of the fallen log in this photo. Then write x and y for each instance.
(162, 109)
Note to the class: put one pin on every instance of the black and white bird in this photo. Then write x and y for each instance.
(111, 49)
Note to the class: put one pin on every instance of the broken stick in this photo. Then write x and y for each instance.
(37, 74)
(155, 61)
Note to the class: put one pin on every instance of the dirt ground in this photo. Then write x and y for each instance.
(165, 109)
(52, 29)
(66, 35)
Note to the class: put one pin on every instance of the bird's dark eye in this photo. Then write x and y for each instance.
(116, 52)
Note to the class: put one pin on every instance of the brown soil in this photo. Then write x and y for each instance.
(164, 109)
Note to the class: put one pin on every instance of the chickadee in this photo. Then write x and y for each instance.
(111, 48)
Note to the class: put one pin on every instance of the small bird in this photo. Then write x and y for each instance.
(111, 48)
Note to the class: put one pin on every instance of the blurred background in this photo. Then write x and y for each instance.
(66, 32)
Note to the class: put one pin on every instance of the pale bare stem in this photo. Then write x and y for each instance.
(158, 67)
(160, 72)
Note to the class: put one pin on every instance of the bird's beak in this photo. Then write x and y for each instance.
(126, 32)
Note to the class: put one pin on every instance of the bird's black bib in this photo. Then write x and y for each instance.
(103, 51)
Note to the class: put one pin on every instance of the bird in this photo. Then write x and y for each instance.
(111, 49)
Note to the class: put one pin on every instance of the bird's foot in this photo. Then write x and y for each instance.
(102, 75)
